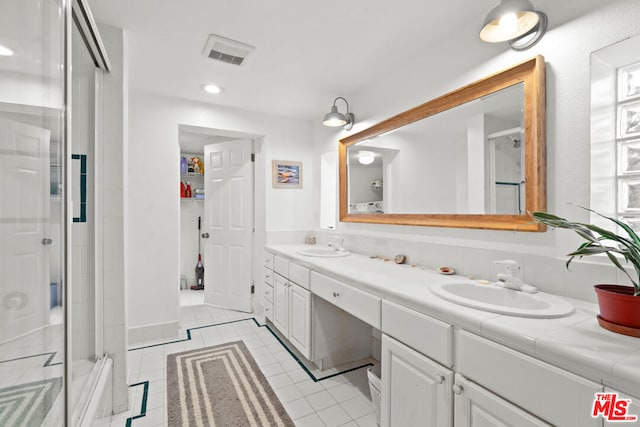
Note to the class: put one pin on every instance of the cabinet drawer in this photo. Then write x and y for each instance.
(425, 334)
(475, 406)
(281, 266)
(362, 305)
(632, 409)
(268, 309)
(557, 396)
(267, 276)
(299, 275)
(267, 293)
(268, 260)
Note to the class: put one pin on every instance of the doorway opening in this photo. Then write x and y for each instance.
(217, 217)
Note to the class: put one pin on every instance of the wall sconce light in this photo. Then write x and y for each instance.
(516, 22)
(334, 118)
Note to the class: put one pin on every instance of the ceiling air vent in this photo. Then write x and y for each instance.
(226, 50)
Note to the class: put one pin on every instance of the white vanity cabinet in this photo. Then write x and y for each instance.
(267, 287)
(632, 409)
(494, 385)
(292, 304)
(552, 394)
(478, 407)
(416, 391)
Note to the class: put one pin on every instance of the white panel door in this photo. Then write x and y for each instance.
(416, 391)
(300, 319)
(24, 219)
(228, 222)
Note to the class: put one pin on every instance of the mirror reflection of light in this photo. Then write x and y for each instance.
(5, 51)
(213, 89)
(366, 158)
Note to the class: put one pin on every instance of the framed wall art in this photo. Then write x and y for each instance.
(286, 174)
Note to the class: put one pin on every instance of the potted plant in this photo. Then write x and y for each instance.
(619, 305)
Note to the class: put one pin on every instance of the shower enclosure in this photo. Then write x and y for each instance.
(50, 308)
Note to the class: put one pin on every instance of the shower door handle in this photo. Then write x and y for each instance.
(205, 235)
(46, 241)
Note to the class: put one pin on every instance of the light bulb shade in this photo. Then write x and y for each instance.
(366, 159)
(334, 118)
(509, 20)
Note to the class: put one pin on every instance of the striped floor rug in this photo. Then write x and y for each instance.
(220, 386)
(28, 404)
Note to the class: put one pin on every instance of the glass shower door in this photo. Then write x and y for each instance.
(32, 225)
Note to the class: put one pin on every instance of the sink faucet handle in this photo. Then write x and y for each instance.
(512, 267)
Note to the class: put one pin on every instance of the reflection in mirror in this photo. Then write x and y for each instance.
(464, 160)
(472, 158)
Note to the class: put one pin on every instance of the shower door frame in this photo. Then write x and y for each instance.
(77, 12)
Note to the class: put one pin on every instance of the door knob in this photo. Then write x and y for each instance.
(47, 241)
(457, 389)
(439, 379)
(336, 294)
(205, 235)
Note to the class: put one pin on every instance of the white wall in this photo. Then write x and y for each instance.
(360, 176)
(153, 220)
(456, 62)
(111, 256)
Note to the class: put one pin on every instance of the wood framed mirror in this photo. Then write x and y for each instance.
(473, 158)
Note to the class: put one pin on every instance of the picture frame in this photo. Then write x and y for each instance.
(286, 174)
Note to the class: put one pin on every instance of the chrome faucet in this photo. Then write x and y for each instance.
(510, 281)
(338, 247)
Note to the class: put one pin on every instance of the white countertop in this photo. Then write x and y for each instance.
(575, 343)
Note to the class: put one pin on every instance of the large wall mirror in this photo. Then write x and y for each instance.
(473, 158)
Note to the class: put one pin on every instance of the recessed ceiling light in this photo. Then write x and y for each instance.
(212, 89)
(5, 51)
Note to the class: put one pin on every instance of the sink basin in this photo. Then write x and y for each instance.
(503, 301)
(323, 252)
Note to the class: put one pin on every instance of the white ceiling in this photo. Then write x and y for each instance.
(307, 52)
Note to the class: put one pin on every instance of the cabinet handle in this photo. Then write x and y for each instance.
(336, 294)
(439, 379)
(457, 389)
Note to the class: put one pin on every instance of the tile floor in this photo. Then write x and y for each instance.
(343, 400)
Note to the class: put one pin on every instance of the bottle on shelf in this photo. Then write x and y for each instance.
(187, 191)
(182, 190)
(183, 165)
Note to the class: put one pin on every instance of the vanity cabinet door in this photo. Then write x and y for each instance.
(281, 304)
(477, 407)
(416, 391)
(633, 408)
(300, 319)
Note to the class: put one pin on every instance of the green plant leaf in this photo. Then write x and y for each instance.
(595, 237)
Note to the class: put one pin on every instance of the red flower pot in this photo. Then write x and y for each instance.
(618, 305)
